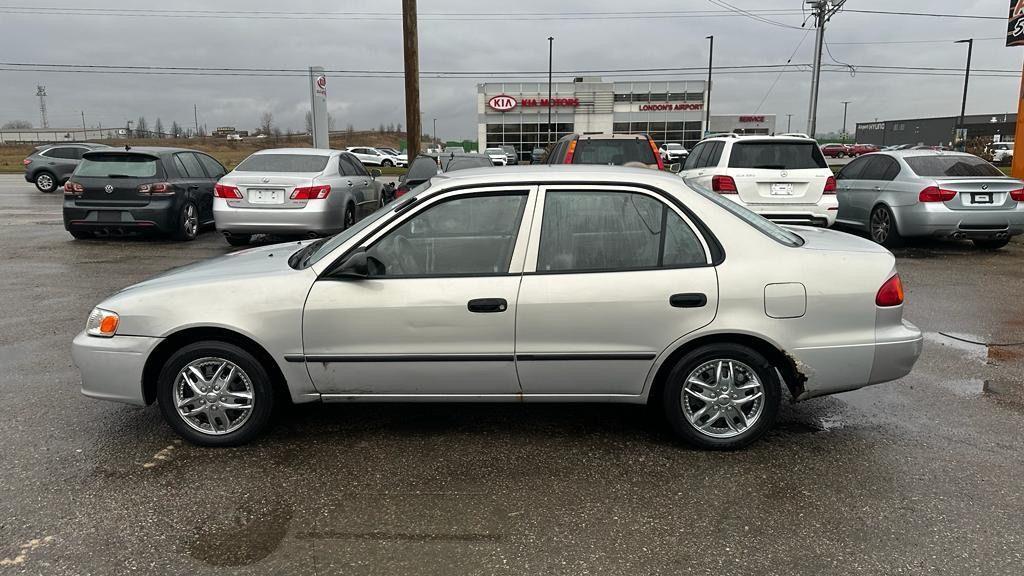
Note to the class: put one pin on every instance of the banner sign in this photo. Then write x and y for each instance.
(1015, 26)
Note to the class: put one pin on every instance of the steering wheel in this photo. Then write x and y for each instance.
(404, 252)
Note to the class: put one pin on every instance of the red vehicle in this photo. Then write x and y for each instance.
(860, 149)
(836, 150)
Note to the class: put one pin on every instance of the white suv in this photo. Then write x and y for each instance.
(1002, 152)
(373, 157)
(783, 178)
(497, 155)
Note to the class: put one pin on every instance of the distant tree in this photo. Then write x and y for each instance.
(330, 122)
(267, 123)
(17, 125)
(277, 134)
(350, 129)
(381, 129)
(309, 122)
(175, 129)
(391, 128)
(141, 127)
(399, 127)
(158, 128)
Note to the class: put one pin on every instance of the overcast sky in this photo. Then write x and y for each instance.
(505, 44)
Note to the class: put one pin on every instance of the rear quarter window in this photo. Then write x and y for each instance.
(776, 156)
(616, 152)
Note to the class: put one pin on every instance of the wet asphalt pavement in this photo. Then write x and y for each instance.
(920, 476)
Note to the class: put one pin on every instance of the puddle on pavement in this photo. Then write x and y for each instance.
(975, 351)
(968, 388)
(254, 532)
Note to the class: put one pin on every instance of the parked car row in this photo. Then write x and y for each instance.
(852, 150)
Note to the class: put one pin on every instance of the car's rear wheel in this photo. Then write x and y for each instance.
(187, 227)
(81, 234)
(883, 227)
(239, 239)
(350, 216)
(387, 163)
(721, 396)
(990, 244)
(215, 394)
(46, 182)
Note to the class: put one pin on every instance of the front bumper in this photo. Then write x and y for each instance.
(112, 367)
(317, 216)
(936, 220)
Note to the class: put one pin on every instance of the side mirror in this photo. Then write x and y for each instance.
(374, 172)
(360, 266)
(401, 179)
(675, 168)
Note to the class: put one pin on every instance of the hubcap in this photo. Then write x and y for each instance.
(880, 225)
(191, 220)
(350, 218)
(213, 396)
(45, 181)
(722, 398)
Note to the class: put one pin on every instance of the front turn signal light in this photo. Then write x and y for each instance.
(102, 323)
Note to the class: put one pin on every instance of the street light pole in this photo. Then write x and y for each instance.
(789, 122)
(967, 79)
(845, 104)
(707, 109)
(434, 137)
(551, 45)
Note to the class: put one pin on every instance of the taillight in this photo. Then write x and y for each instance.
(569, 154)
(401, 191)
(225, 191)
(1017, 195)
(891, 293)
(156, 189)
(936, 194)
(661, 163)
(830, 185)
(311, 192)
(723, 185)
(26, 161)
(73, 188)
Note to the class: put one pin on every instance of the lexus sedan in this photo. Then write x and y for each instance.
(928, 193)
(540, 284)
(294, 191)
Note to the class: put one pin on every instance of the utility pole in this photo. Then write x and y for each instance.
(195, 116)
(551, 46)
(789, 122)
(823, 11)
(845, 104)
(412, 77)
(84, 129)
(963, 104)
(707, 109)
(434, 133)
(41, 93)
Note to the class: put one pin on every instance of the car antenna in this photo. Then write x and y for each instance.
(127, 147)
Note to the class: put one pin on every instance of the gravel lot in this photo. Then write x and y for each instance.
(920, 476)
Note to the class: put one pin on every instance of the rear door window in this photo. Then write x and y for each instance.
(781, 155)
(951, 166)
(715, 155)
(192, 167)
(853, 170)
(691, 160)
(117, 166)
(615, 152)
(874, 169)
(213, 168)
(302, 163)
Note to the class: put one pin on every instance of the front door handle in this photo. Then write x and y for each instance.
(486, 305)
(689, 300)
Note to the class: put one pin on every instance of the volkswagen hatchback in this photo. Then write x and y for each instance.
(541, 284)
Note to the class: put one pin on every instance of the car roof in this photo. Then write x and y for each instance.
(560, 173)
(916, 153)
(756, 138)
(151, 150)
(305, 151)
(604, 136)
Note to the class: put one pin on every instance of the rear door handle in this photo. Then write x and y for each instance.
(487, 305)
(689, 300)
(349, 183)
(193, 186)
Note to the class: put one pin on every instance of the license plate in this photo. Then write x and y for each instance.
(782, 189)
(981, 198)
(258, 196)
(108, 216)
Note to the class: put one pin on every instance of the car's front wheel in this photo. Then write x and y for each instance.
(46, 182)
(721, 396)
(215, 394)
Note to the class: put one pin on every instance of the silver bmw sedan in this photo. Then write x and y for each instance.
(540, 284)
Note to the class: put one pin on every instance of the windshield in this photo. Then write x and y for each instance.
(616, 152)
(464, 162)
(763, 225)
(283, 163)
(780, 155)
(313, 253)
(423, 168)
(117, 165)
(943, 166)
(673, 146)
(494, 151)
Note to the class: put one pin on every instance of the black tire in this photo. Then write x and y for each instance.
(186, 227)
(239, 239)
(45, 182)
(81, 234)
(262, 393)
(387, 164)
(882, 227)
(990, 243)
(763, 408)
(350, 216)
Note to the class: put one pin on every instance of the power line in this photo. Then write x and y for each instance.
(928, 14)
(779, 77)
(945, 41)
(752, 15)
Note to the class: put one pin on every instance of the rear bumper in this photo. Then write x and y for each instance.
(112, 367)
(937, 220)
(316, 216)
(29, 177)
(158, 215)
(822, 214)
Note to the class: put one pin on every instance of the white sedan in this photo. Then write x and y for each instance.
(374, 157)
(527, 284)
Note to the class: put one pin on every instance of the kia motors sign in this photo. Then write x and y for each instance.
(502, 103)
(555, 102)
(1015, 26)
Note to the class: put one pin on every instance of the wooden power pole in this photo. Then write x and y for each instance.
(412, 78)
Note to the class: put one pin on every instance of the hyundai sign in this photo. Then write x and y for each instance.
(1015, 27)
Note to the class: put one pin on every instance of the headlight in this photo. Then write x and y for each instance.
(102, 323)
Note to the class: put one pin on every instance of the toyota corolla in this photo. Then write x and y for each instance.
(546, 284)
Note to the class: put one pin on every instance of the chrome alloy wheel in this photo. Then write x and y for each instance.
(881, 223)
(213, 395)
(45, 181)
(722, 398)
(191, 220)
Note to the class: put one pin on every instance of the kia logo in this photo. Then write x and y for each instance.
(502, 103)
(109, 189)
(321, 82)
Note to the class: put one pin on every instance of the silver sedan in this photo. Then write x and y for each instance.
(900, 194)
(298, 191)
(540, 284)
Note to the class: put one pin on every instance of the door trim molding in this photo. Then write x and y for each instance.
(540, 357)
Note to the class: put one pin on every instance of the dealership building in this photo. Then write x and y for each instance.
(936, 131)
(516, 113)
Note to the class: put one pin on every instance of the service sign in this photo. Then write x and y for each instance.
(502, 103)
(1015, 27)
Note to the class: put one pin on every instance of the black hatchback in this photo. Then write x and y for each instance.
(117, 191)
